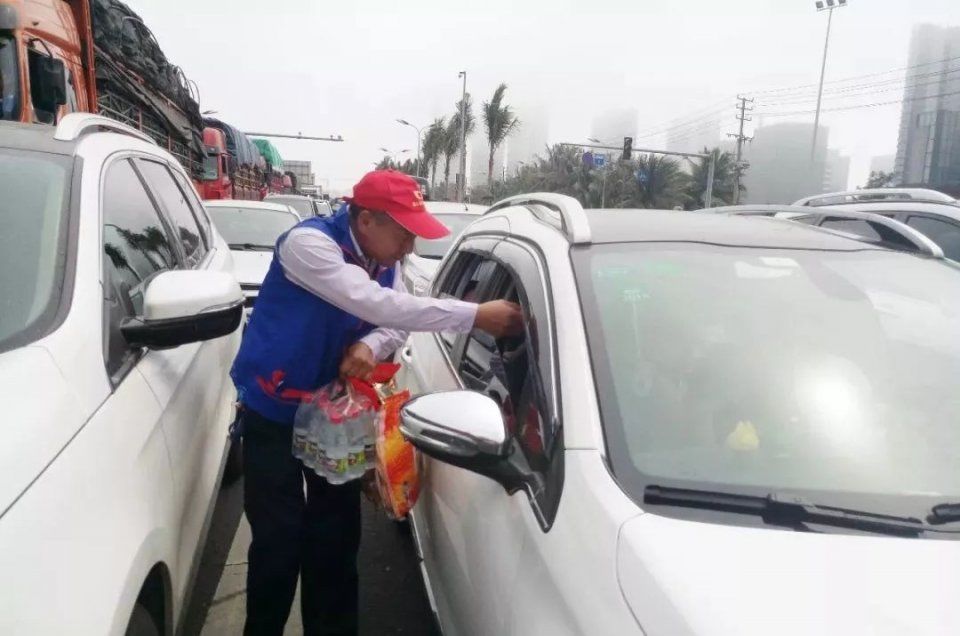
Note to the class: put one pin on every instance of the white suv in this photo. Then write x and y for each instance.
(119, 319)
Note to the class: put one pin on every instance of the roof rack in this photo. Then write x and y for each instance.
(757, 209)
(878, 195)
(920, 242)
(75, 125)
(568, 215)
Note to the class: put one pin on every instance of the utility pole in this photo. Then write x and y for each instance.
(828, 6)
(462, 189)
(740, 137)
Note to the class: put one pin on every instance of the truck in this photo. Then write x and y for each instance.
(236, 166)
(95, 56)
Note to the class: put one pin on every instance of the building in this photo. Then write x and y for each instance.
(928, 148)
(479, 150)
(530, 139)
(302, 170)
(883, 163)
(696, 135)
(611, 126)
(836, 172)
(780, 169)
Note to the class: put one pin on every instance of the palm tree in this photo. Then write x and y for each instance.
(451, 140)
(724, 179)
(500, 122)
(664, 184)
(433, 147)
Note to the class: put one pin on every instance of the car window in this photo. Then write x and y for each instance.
(943, 233)
(852, 226)
(464, 281)
(196, 206)
(174, 202)
(137, 246)
(505, 370)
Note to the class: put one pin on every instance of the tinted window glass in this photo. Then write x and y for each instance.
(34, 191)
(943, 233)
(196, 206)
(9, 79)
(852, 226)
(175, 204)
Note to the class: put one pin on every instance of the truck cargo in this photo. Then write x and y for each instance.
(97, 56)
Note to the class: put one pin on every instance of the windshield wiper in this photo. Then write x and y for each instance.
(251, 247)
(788, 511)
(944, 513)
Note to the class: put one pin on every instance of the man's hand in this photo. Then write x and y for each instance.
(500, 318)
(358, 362)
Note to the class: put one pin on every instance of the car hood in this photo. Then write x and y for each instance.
(250, 268)
(685, 577)
(40, 416)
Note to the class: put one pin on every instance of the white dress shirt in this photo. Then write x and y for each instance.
(314, 261)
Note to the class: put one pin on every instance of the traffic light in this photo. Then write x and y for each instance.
(627, 148)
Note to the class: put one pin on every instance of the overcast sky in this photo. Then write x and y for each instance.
(352, 67)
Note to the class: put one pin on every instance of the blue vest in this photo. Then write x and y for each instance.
(296, 340)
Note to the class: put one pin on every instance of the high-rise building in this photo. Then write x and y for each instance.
(883, 163)
(780, 170)
(928, 149)
(530, 138)
(836, 171)
(695, 136)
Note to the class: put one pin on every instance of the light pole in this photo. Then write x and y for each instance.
(393, 155)
(828, 6)
(406, 123)
(462, 190)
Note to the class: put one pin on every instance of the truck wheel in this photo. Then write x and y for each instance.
(142, 623)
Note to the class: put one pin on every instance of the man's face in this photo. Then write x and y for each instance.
(383, 239)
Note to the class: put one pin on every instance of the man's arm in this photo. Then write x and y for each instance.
(312, 260)
(384, 341)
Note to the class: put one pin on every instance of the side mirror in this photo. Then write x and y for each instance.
(184, 306)
(464, 429)
(48, 80)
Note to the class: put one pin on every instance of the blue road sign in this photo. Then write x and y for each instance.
(642, 177)
(599, 161)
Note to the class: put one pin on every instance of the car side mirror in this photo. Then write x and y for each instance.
(464, 429)
(184, 306)
(48, 80)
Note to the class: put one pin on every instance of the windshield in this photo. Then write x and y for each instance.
(304, 207)
(239, 226)
(34, 189)
(9, 80)
(739, 369)
(438, 248)
(211, 164)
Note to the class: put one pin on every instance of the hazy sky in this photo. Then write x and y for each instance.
(352, 67)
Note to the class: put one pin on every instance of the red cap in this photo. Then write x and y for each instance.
(399, 196)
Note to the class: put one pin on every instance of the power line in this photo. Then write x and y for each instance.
(859, 94)
(903, 84)
(858, 106)
(854, 77)
(681, 121)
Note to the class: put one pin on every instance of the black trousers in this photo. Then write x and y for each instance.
(316, 538)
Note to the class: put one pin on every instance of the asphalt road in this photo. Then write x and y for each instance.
(392, 597)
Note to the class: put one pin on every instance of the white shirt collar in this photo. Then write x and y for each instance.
(356, 246)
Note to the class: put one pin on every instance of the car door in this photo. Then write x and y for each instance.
(189, 381)
(474, 531)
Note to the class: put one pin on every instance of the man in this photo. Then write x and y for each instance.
(332, 304)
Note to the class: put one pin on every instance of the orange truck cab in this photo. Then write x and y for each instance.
(216, 182)
(46, 60)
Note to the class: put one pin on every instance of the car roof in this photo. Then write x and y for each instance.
(278, 197)
(451, 207)
(250, 205)
(869, 195)
(647, 226)
(37, 137)
(879, 207)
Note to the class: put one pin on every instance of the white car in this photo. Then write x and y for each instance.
(119, 319)
(712, 425)
(420, 267)
(306, 207)
(251, 229)
(932, 213)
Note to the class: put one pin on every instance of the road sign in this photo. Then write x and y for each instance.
(599, 161)
(642, 177)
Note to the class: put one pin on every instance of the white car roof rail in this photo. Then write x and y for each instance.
(878, 195)
(921, 243)
(75, 125)
(571, 219)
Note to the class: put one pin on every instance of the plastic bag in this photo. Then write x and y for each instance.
(334, 432)
(396, 463)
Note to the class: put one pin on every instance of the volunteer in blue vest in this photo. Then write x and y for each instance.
(332, 304)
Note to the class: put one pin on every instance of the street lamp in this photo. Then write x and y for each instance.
(828, 6)
(462, 190)
(406, 123)
(393, 155)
